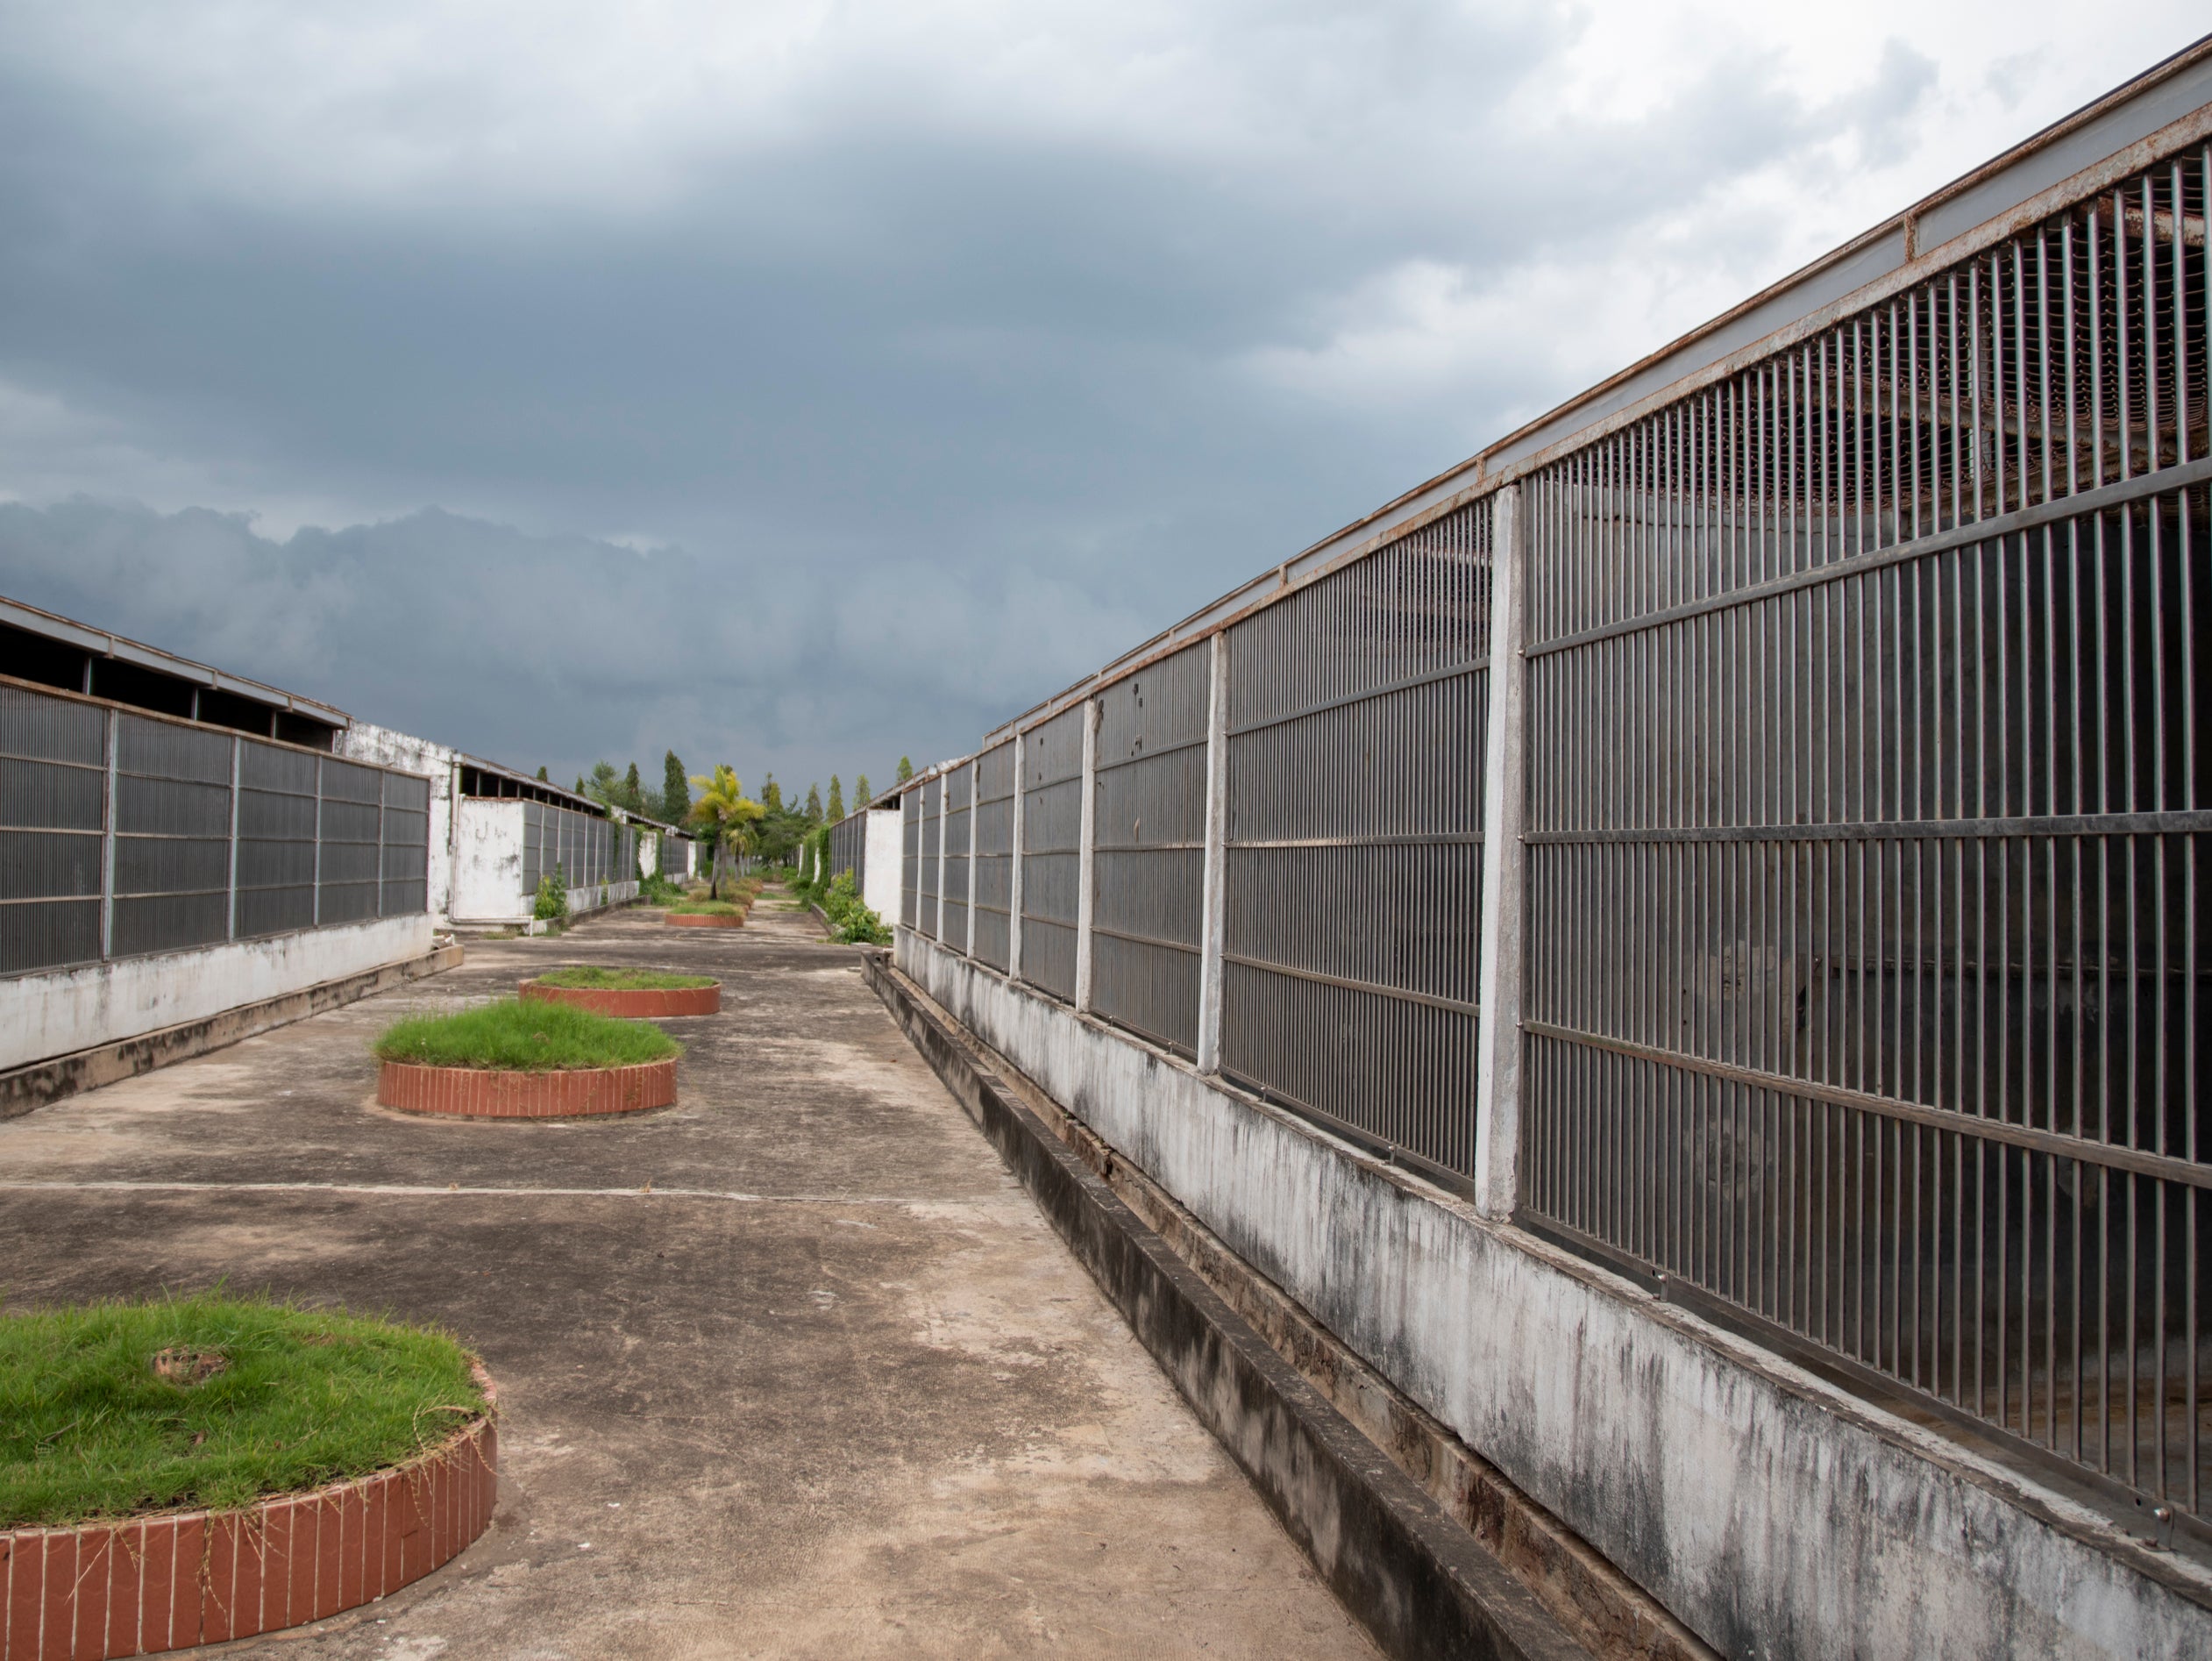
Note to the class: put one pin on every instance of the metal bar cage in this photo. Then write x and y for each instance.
(1868, 810)
(1863, 968)
(122, 834)
(994, 855)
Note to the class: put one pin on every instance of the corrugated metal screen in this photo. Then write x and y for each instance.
(1148, 848)
(994, 854)
(1051, 850)
(1357, 711)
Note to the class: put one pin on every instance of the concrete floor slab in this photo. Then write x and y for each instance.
(793, 1368)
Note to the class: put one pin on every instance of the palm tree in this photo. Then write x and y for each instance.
(726, 812)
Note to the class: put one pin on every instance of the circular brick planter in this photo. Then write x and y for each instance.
(696, 919)
(631, 1003)
(168, 1582)
(486, 1093)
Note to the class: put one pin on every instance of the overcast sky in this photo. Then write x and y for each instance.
(801, 385)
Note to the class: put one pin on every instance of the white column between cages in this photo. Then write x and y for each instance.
(1498, 1058)
(975, 785)
(1086, 856)
(937, 928)
(107, 843)
(1213, 912)
(231, 915)
(1013, 873)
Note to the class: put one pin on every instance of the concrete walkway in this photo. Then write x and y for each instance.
(830, 1388)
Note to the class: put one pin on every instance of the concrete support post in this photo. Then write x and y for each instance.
(1214, 904)
(1497, 1056)
(318, 843)
(975, 787)
(107, 843)
(230, 915)
(937, 926)
(1013, 879)
(1086, 856)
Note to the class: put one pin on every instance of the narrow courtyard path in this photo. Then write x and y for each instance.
(794, 1368)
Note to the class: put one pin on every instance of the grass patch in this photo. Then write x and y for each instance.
(289, 1399)
(590, 977)
(707, 909)
(514, 1036)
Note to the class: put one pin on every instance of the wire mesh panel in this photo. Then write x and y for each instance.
(1868, 822)
(404, 861)
(536, 864)
(1357, 711)
(849, 848)
(172, 882)
(910, 856)
(994, 854)
(1052, 850)
(959, 785)
(276, 840)
(1148, 848)
(352, 838)
(53, 767)
(932, 794)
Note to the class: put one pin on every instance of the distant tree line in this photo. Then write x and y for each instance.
(774, 836)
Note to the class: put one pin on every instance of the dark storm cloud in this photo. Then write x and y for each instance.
(940, 418)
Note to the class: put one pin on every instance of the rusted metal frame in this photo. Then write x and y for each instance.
(1133, 938)
(2174, 821)
(1402, 994)
(2108, 1155)
(2082, 505)
(1407, 839)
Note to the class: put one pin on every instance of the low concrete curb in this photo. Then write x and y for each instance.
(24, 1088)
(631, 1003)
(488, 1093)
(152, 1583)
(1420, 1584)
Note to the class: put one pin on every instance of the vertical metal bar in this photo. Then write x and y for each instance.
(944, 799)
(318, 841)
(1214, 904)
(1086, 856)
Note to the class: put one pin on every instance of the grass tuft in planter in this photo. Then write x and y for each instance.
(210, 1401)
(706, 909)
(592, 978)
(512, 1036)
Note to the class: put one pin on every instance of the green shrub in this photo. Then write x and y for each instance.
(262, 1398)
(551, 903)
(512, 1036)
(850, 920)
(657, 890)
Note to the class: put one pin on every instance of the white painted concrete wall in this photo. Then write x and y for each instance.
(99, 1004)
(1774, 1513)
(885, 867)
(487, 861)
(365, 742)
(488, 868)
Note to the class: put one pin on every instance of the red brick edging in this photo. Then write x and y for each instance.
(486, 1093)
(702, 920)
(632, 1003)
(150, 1584)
